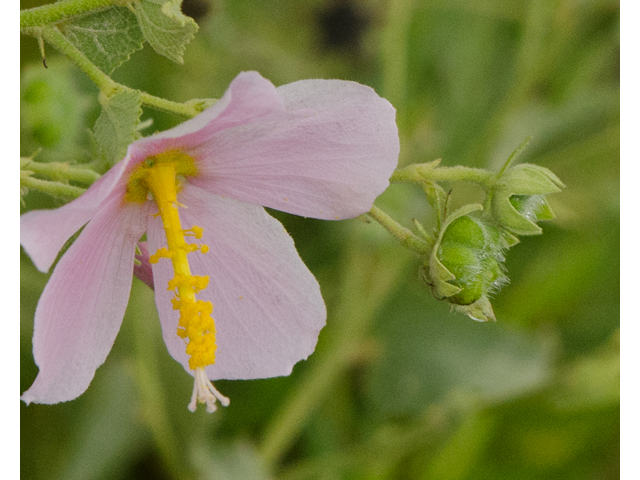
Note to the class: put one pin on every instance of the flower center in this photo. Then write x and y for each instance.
(159, 176)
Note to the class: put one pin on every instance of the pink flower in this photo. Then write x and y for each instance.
(242, 305)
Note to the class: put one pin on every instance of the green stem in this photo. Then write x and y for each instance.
(405, 236)
(60, 171)
(108, 86)
(56, 12)
(425, 172)
(55, 189)
(55, 37)
(187, 109)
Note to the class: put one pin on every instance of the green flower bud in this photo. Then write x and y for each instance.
(466, 264)
(518, 200)
(465, 230)
(533, 207)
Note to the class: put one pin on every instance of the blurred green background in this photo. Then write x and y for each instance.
(399, 387)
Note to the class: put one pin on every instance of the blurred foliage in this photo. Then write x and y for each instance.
(399, 387)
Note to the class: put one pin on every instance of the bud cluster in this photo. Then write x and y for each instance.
(466, 263)
(518, 198)
(464, 257)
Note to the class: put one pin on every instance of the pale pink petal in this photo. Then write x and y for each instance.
(248, 98)
(143, 270)
(329, 155)
(267, 305)
(81, 308)
(44, 232)
(317, 148)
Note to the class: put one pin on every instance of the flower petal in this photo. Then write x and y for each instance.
(329, 155)
(248, 98)
(44, 232)
(81, 308)
(267, 305)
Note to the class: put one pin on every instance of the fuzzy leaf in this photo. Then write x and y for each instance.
(165, 27)
(107, 38)
(116, 126)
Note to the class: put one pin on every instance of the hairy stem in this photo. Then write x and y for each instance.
(104, 82)
(56, 12)
(405, 236)
(60, 171)
(187, 110)
(426, 172)
(55, 37)
(55, 189)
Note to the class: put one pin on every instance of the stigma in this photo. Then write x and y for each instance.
(159, 178)
(205, 392)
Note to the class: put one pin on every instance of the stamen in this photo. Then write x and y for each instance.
(161, 253)
(194, 231)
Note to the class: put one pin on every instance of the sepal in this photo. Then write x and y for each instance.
(518, 200)
(480, 311)
(435, 273)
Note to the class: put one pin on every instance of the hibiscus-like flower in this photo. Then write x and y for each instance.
(316, 148)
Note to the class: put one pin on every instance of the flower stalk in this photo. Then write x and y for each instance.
(60, 171)
(427, 172)
(55, 189)
(104, 82)
(56, 12)
(405, 236)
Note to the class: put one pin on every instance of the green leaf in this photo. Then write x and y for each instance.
(165, 27)
(107, 38)
(116, 126)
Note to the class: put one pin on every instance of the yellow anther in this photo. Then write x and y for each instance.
(202, 351)
(176, 303)
(188, 282)
(200, 283)
(204, 307)
(204, 248)
(161, 253)
(194, 231)
(190, 247)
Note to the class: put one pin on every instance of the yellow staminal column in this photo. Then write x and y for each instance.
(196, 325)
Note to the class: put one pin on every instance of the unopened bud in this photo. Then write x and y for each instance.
(466, 264)
(519, 201)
